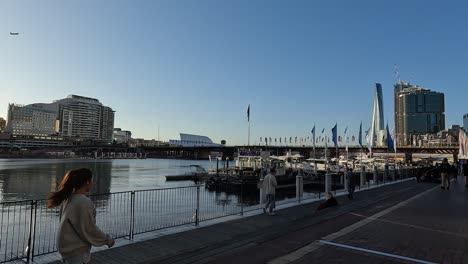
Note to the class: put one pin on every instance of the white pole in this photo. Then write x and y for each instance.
(248, 137)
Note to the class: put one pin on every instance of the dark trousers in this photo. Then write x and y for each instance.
(351, 188)
(270, 202)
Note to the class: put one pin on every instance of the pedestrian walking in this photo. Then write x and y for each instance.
(465, 172)
(350, 182)
(454, 170)
(269, 187)
(444, 174)
(77, 230)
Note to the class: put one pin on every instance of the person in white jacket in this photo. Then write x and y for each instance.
(78, 230)
(269, 187)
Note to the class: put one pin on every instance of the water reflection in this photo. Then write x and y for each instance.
(22, 179)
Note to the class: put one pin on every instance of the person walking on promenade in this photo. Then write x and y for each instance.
(350, 182)
(444, 174)
(77, 231)
(269, 187)
(454, 170)
(465, 172)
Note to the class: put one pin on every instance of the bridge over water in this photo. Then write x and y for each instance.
(201, 152)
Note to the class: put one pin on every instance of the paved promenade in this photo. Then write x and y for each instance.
(402, 223)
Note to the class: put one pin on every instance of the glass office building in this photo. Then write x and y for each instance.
(418, 111)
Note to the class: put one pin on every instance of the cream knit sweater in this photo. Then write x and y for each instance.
(78, 230)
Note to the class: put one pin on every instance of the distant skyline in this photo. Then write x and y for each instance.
(195, 66)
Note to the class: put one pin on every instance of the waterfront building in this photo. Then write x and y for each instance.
(146, 143)
(85, 117)
(2, 124)
(121, 136)
(465, 122)
(377, 127)
(77, 117)
(418, 111)
(31, 120)
(189, 140)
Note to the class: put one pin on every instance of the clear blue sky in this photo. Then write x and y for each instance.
(195, 66)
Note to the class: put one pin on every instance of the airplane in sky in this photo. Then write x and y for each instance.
(14, 33)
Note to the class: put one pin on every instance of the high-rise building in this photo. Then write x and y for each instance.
(2, 124)
(86, 118)
(377, 127)
(465, 122)
(74, 116)
(31, 120)
(418, 112)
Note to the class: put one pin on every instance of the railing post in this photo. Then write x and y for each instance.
(262, 193)
(242, 197)
(299, 188)
(386, 173)
(132, 215)
(376, 180)
(30, 234)
(197, 212)
(34, 232)
(327, 182)
(363, 177)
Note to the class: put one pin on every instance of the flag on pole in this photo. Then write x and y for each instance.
(326, 146)
(369, 140)
(346, 137)
(335, 135)
(313, 135)
(389, 140)
(360, 135)
(248, 113)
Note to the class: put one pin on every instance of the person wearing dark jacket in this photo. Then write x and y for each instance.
(444, 174)
(465, 172)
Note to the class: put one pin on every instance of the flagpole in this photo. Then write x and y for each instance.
(248, 121)
(326, 157)
(248, 135)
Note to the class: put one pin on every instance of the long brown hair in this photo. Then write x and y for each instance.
(72, 181)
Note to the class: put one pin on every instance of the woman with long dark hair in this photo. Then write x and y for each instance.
(78, 230)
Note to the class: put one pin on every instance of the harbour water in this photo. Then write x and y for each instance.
(24, 179)
(140, 201)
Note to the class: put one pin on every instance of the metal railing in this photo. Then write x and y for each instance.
(29, 228)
